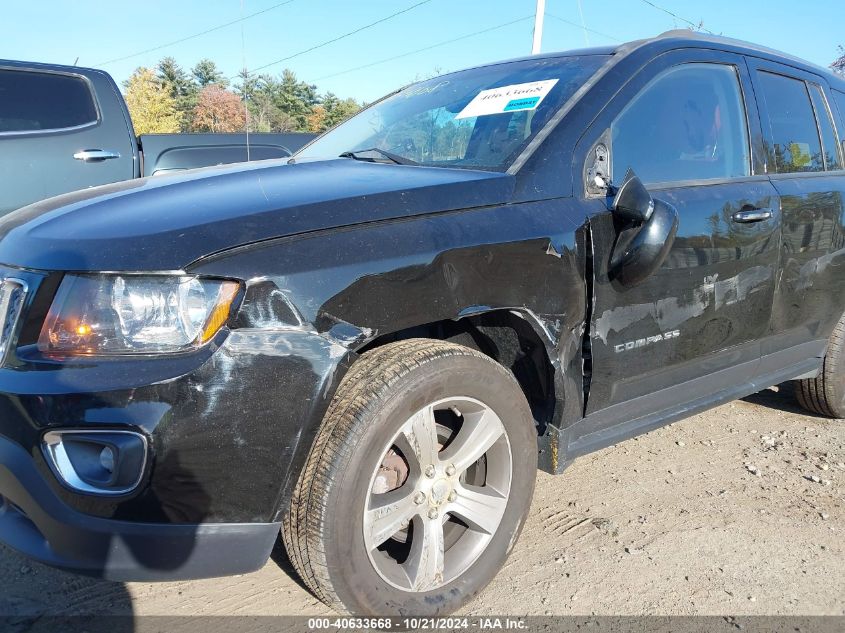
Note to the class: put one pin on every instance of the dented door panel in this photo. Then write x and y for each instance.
(808, 299)
(707, 306)
(702, 311)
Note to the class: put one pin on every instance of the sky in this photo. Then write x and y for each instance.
(113, 35)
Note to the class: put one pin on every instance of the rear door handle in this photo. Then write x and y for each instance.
(95, 155)
(747, 216)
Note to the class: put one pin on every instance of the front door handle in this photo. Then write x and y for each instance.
(752, 215)
(95, 155)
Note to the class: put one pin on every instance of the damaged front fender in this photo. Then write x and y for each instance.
(357, 285)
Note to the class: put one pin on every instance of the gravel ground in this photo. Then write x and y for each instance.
(739, 510)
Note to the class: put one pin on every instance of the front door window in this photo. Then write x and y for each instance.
(688, 123)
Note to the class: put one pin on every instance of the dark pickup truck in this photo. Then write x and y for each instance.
(64, 128)
(373, 345)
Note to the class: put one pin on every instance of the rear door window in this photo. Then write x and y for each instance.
(832, 154)
(795, 136)
(687, 124)
(839, 98)
(35, 101)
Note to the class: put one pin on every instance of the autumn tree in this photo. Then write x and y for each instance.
(218, 110)
(331, 111)
(151, 107)
(273, 103)
(838, 66)
(317, 119)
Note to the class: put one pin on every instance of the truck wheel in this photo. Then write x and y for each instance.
(825, 394)
(418, 483)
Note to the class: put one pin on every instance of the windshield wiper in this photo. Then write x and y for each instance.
(359, 154)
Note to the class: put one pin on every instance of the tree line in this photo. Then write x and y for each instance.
(169, 99)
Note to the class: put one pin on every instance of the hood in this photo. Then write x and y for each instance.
(168, 222)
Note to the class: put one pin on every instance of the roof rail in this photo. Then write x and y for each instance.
(690, 34)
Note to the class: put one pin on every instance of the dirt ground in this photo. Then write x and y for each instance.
(740, 510)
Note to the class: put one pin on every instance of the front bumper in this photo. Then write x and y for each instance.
(35, 522)
(228, 428)
(227, 437)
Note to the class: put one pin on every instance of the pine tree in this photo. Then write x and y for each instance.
(182, 88)
(206, 73)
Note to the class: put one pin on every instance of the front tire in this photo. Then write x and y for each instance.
(825, 394)
(418, 483)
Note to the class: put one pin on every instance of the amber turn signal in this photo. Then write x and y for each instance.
(220, 314)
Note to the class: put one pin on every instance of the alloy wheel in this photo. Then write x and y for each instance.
(438, 495)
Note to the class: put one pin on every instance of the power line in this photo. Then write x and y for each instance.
(195, 35)
(345, 35)
(427, 48)
(678, 17)
(583, 23)
(580, 26)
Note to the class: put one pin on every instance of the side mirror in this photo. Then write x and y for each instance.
(633, 202)
(650, 230)
(641, 251)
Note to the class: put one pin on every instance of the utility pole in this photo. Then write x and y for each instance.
(538, 27)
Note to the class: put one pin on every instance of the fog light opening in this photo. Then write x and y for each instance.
(106, 462)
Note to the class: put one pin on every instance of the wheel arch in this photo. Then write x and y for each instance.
(514, 338)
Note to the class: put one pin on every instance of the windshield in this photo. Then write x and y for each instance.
(475, 119)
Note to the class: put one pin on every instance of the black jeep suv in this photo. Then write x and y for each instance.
(373, 345)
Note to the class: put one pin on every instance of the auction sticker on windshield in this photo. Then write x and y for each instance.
(508, 99)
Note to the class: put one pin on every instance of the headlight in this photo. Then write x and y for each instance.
(135, 314)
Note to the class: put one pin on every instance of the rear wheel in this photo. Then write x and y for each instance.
(418, 483)
(825, 394)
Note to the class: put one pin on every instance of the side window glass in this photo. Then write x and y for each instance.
(839, 98)
(797, 147)
(832, 154)
(32, 101)
(687, 124)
